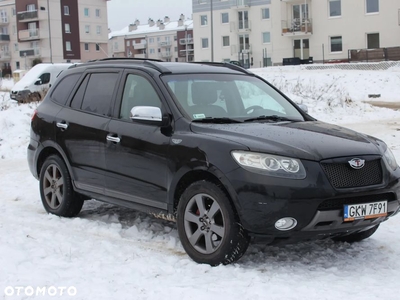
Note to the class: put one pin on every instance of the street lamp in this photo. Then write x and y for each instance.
(48, 17)
(212, 31)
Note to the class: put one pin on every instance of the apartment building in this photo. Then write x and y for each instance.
(52, 31)
(264, 32)
(162, 39)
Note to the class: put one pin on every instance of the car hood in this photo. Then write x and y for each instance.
(305, 140)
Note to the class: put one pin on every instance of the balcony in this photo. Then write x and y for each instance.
(164, 44)
(142, 55)
(297, 27)
(29, 52)
(5, 56)
(4, 21)
(165, 54)
(186, 41)
(244, 26)
(4, 38)
(29, 34)
(27, 16)
(139, 46)
(240, 4)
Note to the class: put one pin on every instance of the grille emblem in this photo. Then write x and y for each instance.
(357, 163)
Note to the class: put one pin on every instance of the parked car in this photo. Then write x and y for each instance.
(212, 146)
(37, 81)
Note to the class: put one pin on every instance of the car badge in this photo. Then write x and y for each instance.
(357, 163)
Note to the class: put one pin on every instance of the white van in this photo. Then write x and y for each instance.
(37, 81)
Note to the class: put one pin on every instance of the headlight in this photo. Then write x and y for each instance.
(390, 159)
(272, 165)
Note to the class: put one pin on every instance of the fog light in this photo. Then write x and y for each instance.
(286, 223)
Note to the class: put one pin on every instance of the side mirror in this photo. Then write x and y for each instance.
(38, 82)
(303, 107)
(148, 115)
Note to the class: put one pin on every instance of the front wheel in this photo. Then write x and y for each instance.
(56, 191)
(208, 227)
(357, 236)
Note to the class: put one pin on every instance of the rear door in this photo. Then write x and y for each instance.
(82, 128)
(137, 159)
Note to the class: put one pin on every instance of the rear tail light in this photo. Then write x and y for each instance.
(34, 114)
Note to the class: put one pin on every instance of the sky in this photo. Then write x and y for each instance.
(123, 12)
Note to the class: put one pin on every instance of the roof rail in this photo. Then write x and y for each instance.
(224, 64)
(154, 63)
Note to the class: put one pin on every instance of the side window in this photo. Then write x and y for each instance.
(45, 78)
(77, 101)
(63, 89)
(138, 91)
(99, 91)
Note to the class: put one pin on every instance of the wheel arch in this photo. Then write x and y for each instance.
(48, 150)
(209, 174)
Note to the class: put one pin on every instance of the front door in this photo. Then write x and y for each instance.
(137, 158)
(301, 48)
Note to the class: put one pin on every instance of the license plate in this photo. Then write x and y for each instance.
(365, 211)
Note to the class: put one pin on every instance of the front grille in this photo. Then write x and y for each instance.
(342, 175)
(334, 204)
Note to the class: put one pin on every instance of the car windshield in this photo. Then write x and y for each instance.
(229, 97)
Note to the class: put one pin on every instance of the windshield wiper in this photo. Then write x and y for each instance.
(271, 118)
(223, 120)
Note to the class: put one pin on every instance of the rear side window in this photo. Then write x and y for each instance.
(63, 89)
(97, 94)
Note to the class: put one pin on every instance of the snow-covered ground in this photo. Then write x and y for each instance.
(114, 253)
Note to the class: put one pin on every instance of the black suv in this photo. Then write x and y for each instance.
(212, 146)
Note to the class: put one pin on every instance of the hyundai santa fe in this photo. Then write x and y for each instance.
(211, 146)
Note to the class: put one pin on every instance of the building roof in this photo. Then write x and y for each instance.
(147, 29)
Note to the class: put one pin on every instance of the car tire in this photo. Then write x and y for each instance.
(357, 236)
(56, 190)
(209, 228)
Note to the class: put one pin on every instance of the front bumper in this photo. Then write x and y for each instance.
(315, 204)
(20, 96)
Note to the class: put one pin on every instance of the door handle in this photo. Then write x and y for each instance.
(113, 139)
(62, 125)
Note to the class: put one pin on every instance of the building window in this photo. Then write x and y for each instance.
(151, 40)
(266, 37)
(66, 10)
(98, 29)
(176, 49)
(225, 41)
(203, 20)
(68, 46)
(335, 8)
(86, 12)
(336, 44)
(86, 47)
(97, 13)
(87, 28)
(16, 47)
(115, 45)
(265, 13)
(17, 65)
(224, 18)
(372, 6)
(13, 11)
(67, 28)
(97, 47)
(30, 7)
(204, 43)
(373, 40)
(128, 43)
(152, 51)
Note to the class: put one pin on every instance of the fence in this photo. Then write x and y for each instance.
(373, 55)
